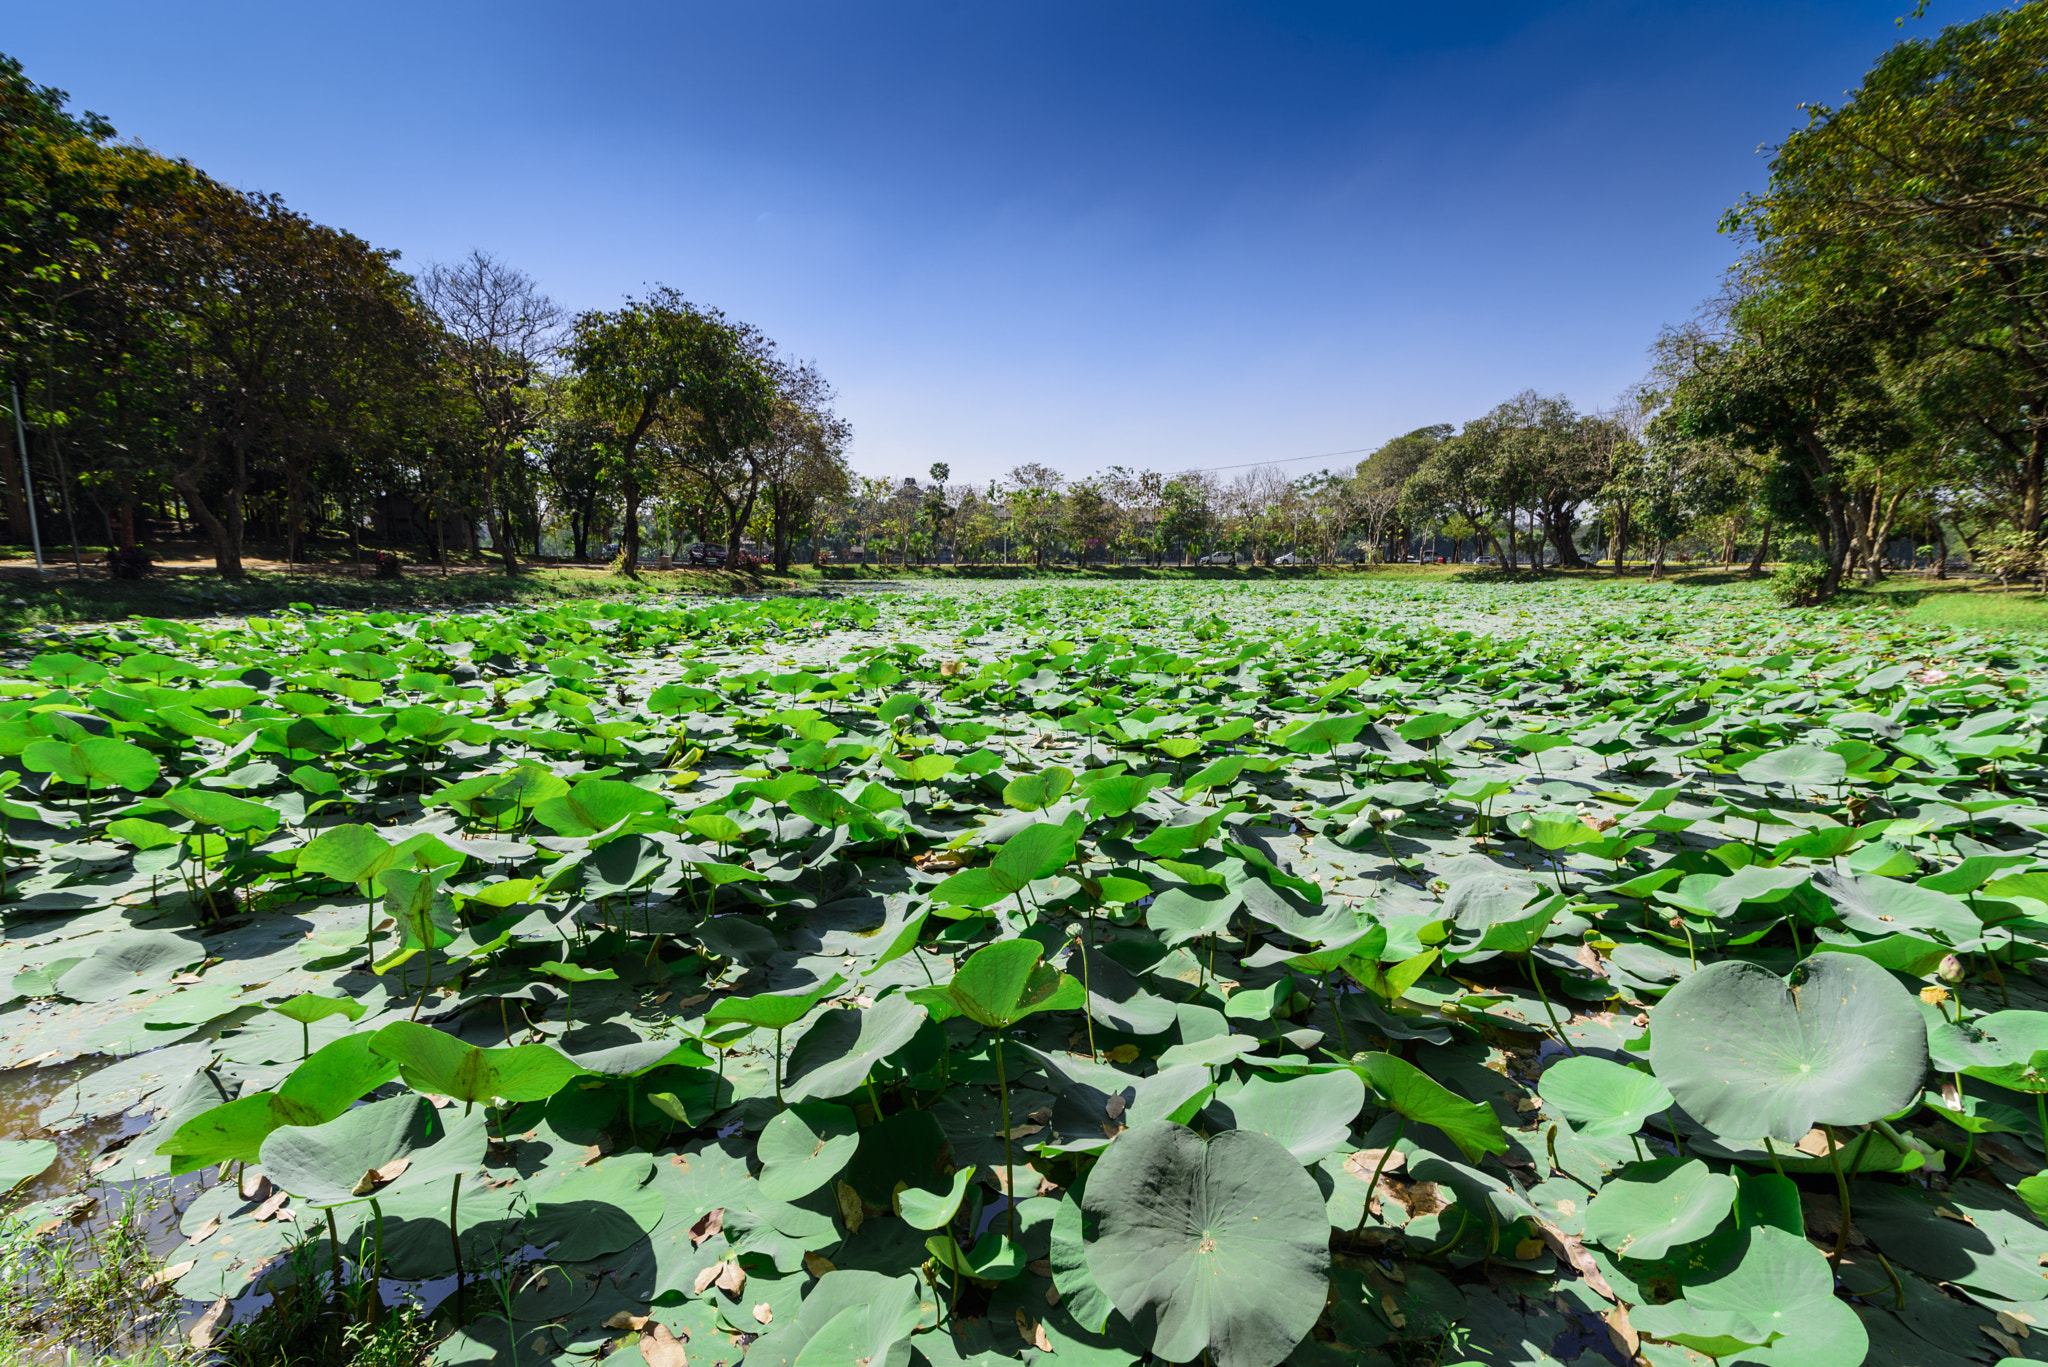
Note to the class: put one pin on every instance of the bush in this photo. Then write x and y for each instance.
(2011, 554)
(1799, 584)
(128, 562)
(389, 566)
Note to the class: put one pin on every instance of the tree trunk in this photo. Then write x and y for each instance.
(497, 524)
(1559, 531)
(1763, 550)
(227, 551)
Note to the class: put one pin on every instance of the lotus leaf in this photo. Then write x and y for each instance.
(1749, 1054)
(1216, 1246)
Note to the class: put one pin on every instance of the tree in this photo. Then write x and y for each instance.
(1185, 516)
(1921, 205)
(1089, 518)
(663, 357)
(274, 322)
(803, 461)
(497, 334)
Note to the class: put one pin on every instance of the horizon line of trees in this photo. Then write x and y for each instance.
(1876, 365)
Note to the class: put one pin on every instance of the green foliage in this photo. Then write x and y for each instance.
(1370, 1007)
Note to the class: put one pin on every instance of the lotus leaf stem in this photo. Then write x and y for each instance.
(1373, 1186)
(455, 1242)
(1009, 1172)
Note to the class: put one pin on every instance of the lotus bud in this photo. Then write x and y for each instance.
(1951, 969)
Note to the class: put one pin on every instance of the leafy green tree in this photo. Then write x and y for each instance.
(664, 357)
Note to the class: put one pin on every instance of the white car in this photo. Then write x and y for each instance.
(1292, 559)
(1218, 558)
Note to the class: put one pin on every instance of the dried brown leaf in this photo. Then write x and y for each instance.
(661, 1348)
(710, 1223)
(164, 1276)
(212, 1322)
(764, 1313)
(1574, 1252)
(732, 1278)
(204, 1232)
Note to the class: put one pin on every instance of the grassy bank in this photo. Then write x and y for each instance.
(1969, 605)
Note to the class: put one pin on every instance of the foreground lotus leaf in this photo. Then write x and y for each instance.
(1779, 1295)
(349, 1158)
(434, 1061)
(1216, 1246)
(1749, 1054)
(1646, 1208)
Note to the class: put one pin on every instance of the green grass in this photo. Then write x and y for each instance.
(1965, 605)
(84, 1297)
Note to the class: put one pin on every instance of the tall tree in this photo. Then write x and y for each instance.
(664, 357)
(498, 333)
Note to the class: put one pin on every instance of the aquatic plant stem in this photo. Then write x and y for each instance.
(1009, 1171)
(455, 1242)
(1372, 1187)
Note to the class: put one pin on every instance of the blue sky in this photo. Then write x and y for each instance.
(1167, 235)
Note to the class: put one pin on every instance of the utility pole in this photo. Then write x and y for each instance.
(28, 487)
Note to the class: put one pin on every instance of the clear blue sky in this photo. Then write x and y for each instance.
(1164, 234)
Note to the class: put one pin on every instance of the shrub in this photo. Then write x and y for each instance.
(128, 562)
(1799, 584)
(389, 566)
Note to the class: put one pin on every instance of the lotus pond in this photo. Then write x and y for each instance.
(1235, 974)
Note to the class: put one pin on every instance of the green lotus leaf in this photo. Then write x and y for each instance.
(1749, 1054)
(805, 1147)
(848, 1317)
(337, 1162)
(1001, 984)
(595, 804)
(923, 1209)
(347, 854)
(1645, 1208)
(1601, 1098)
(841, 1048)
(2018, 1041)
(1083, 1299)
(433, 1061)
(1795, 766)
(1780, 1292)
(322, 1087)
(1310, 1116)
(1408, 1091)
(95, 762)
(230, 813)
(598, 1211)
(1218, 1247)
(128, 963)
(23, 1160)
(773, 1010)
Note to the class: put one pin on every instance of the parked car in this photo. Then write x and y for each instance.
(1218, 558)
(1292, 559)
(704, 553)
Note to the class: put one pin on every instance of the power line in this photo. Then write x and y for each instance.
(1284, 460)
